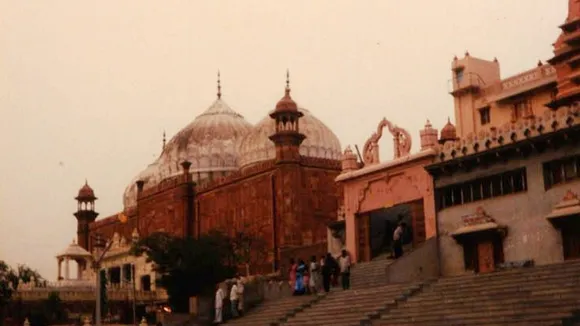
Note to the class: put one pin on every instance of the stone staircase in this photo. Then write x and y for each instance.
(543, 295)
(371, 273)
(274, 311)
(351, 307)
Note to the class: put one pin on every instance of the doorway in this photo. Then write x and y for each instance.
(482, 252)
(375, 229)
(571, 241)
(382, 225)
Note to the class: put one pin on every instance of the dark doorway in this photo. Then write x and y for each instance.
(482, 252)
(382, 225)
(115, 275)
(146, 283)
(571, 242)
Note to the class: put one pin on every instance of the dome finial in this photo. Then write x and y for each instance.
(164, 139)
(219, 85)
(287, 81)
(86, 182)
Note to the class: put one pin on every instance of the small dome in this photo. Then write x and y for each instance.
(209, 142)
(86, 193)
(320, 141)
(74, 251)
(286, 104)
(448, 132)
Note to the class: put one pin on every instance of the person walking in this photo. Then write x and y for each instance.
(344, 264)
(292, 273)
(328, 269)
(219, 304)
(398, 240)
(314, 272)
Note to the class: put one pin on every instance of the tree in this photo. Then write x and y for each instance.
(188, 267)
(244, 245)
(8, 281)
(26, 274)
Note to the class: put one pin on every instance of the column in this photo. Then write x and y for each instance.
(59, 268)
(122, 276)
(79, 269)
(66, 270)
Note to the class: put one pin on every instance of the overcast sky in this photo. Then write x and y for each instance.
(87, 87)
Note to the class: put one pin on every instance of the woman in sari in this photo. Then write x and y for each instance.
(301, 270)
(292, 273)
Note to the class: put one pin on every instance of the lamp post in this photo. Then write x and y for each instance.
(97, 268)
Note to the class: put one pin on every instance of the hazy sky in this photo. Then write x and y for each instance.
(87, 87)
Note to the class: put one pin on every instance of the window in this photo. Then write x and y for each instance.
(484, 116)
(459, 75)
(559, 171)
(522, 110)
(484, 188)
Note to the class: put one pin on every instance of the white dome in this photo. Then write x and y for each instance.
(320, 141)
(209, 143)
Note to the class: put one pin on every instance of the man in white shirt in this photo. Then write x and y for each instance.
(219, 304)
(240, 296)
(234, 299)
(398, 240)
(344, 264)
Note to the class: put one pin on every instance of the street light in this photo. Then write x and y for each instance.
(97, 267)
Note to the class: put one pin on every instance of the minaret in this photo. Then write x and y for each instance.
(287, 137)
(85, 214)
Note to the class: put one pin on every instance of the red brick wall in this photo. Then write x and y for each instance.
(303, 198)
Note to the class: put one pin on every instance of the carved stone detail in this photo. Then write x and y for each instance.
(401, 139)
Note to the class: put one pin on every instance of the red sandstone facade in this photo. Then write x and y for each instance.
(287, 201)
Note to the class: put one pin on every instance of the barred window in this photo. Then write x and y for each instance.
(506, 183)
(560, 171)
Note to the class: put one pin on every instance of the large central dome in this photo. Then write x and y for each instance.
(220, 141)
(209, 142)
(320, 141)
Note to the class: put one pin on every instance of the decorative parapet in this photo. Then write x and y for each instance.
(528, 77)
(262, 167)
(88, 294)
(318, 162)
(236, 176)
(401, 140)
(166, 184)
(531, 79)
(510, 133)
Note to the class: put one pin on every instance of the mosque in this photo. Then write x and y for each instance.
(273, 181)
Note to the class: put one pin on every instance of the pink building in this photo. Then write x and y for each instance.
(501, 185)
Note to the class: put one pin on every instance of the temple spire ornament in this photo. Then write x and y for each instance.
(164, 141)
(219, 86)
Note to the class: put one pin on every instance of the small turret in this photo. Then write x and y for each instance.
(448, 133)
(349, 160)
(428, 137)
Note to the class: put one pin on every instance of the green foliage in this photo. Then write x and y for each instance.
(26, 274)
(8, 280)
(187, 266)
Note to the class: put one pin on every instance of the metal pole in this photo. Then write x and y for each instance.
(134, 295)
(98, 303)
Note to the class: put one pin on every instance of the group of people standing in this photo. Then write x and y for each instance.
(319, 275)
(236, 300)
